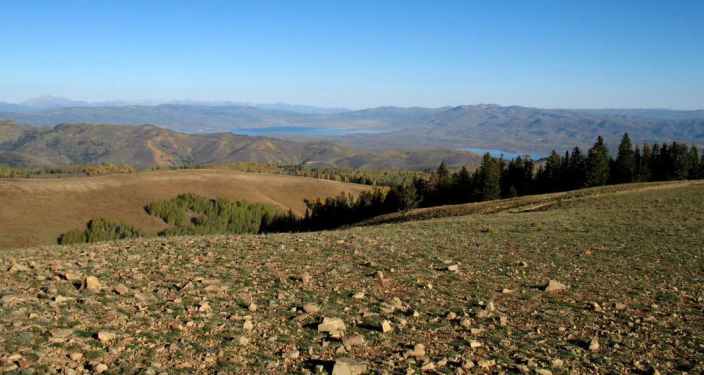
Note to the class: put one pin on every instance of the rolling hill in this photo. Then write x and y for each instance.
(513, 129)
(461, 294)
(148, 146)
(37, 211)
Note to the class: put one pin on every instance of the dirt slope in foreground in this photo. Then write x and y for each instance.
(36, 211)
(467, 288)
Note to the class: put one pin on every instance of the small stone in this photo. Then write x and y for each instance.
(349, 366)
(61, 333)
(597, 307)
(503, 320)
(620, 306)
(335, 327)
(358, 295)
(252, 307)
(306, 278)
(451, 315)
(293, 354)
(476, 331)
(542, 371)
(557, 363)
(242, 340)
(105, 336)
(487, 363)
(490, 306)
(204, 307)
(506, 291)
(475, 344)
(350, 341)
(248, 325)
(554, 286)
(92, 284)
(417, 352)
(18, 268)
(386, 326)
(453, 268)
(594, 345)
(61, 299)
(311, 308)
(121, 289)
(100, 368)
(76, 356)
(430, 366)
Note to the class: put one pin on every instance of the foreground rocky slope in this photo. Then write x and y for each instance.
(453, 295)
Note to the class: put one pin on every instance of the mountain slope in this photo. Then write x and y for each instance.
(148, 146)
(514, 129)
(631, 264)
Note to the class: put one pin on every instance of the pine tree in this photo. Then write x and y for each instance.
(598, 164)
(577, 169)
(625, 161)
(489, 175)
(693, 163)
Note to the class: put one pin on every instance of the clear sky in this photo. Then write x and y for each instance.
(564, 53)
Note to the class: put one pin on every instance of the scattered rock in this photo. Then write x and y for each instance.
(18, 268)
(306, 278)
(204, 307)
(430, 366)
(487, 363)
(242, 341)
(506, 291)
(542, 371)
(475, 344)
(248, 325)
(554, 286)
(358, 295)
(386, 326)
(620, 306)
(557, 363)
(92, 284)
(100, 368)
(76, 356)
(105, 336)
(349, 366)
(350, 341)
(417, 352)
(335, 327)
(252, 307)
(453, 268)
(121, 289)
(594, 345)
(311, 308)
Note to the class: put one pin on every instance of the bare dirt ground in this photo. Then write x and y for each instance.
(456, 295)
(36, 211)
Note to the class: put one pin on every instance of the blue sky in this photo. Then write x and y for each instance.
(576, 54)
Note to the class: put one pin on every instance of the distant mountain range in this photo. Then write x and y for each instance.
(147, 146)
(513, 129)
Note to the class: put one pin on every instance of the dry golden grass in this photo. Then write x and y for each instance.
(36, 211)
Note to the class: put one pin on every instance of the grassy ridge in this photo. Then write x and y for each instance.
(631, 259)
(37, 211)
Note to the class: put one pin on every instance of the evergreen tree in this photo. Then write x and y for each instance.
(598, 164)
(645, 164)
(577, 169)
(625, 161)
(694, 166)
(489, 176)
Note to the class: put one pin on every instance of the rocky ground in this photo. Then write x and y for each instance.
(607, 284)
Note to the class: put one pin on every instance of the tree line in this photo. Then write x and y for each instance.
(497, 178)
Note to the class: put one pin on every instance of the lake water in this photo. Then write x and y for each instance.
(497, 153)
(303, 131)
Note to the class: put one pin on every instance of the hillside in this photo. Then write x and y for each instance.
(36, 211)
(450, 295)
(513, 129)
(147, 146)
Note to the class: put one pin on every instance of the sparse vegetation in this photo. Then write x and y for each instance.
(99, 229)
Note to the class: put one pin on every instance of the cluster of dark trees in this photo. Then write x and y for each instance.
(191, 214)
(497, 178)
(99, 230)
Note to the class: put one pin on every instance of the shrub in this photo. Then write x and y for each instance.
(99, 230)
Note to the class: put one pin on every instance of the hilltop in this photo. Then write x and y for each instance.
(452, 294)
(36, 211)
(147, 146)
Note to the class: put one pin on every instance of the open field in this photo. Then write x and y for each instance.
(469, 288)
(37, 211)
